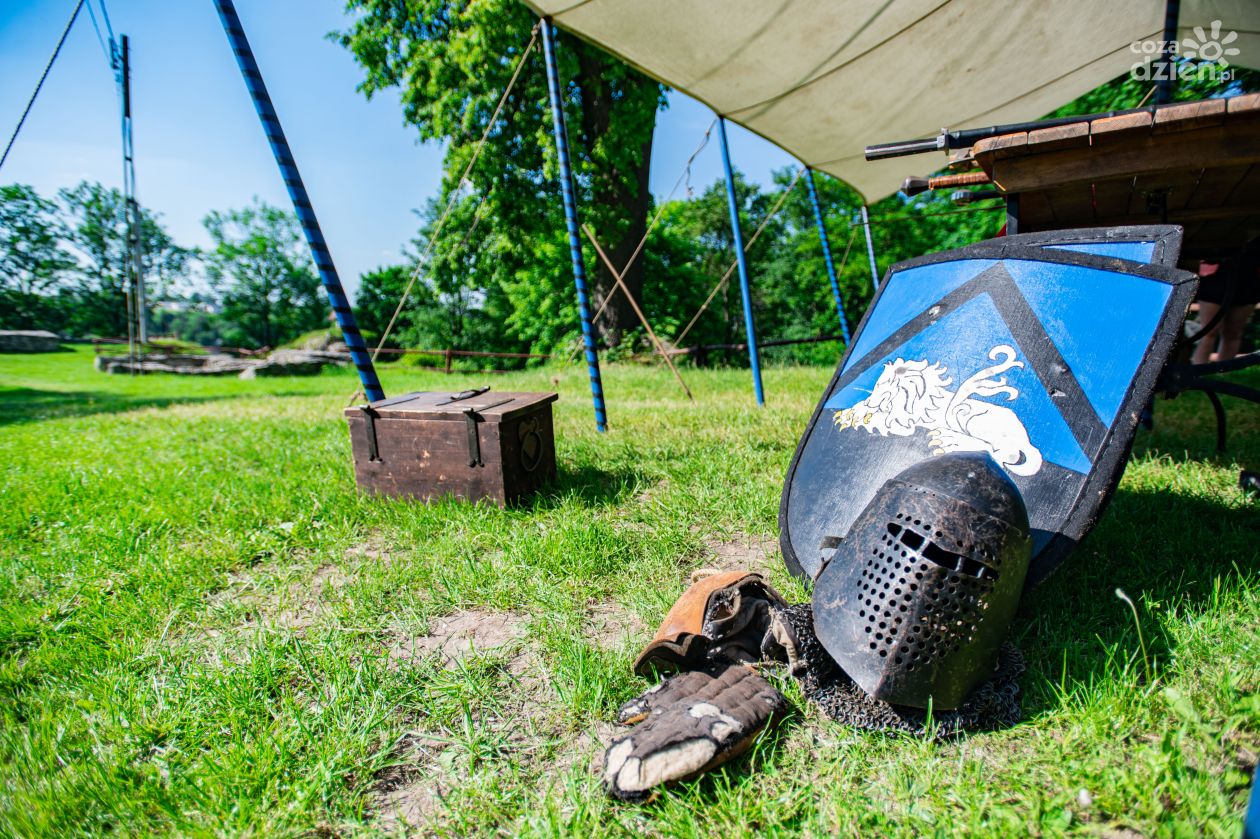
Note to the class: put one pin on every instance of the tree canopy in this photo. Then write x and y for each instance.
(263, 269)
(451, 62)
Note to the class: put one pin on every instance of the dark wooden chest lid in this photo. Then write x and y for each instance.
(491, 405)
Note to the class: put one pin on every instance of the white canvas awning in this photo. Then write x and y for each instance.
(825, 78)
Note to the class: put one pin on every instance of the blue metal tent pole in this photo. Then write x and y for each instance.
(571, 224)
(826, 251)
(754, 359)
(301, 201)
(870, 247)
(1167, 79)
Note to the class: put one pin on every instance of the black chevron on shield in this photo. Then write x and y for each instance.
(1038, 347)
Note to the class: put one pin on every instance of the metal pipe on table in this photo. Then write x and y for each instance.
(966, 137)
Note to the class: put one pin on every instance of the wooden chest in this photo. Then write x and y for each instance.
(475, 444)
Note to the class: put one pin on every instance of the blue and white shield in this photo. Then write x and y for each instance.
(1036, 351)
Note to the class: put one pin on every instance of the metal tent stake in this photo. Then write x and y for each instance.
(870, 247)
(754, 358)
(567, 192)
(301, 201)
(826, 251)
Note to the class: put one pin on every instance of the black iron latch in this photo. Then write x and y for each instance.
(471, 418)
(371, 416)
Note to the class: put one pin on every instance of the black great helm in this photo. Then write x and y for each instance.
(919, 595)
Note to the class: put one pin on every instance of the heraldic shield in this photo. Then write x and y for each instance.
(1041, 351)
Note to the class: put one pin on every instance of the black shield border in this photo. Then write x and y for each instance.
(1108, 469)
(1167, 238)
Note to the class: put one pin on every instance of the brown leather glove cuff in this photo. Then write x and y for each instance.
(726, 616)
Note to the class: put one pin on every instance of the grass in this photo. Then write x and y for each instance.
(201, 624)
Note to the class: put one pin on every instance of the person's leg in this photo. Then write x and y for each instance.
(1232, 327)
(1207, 343)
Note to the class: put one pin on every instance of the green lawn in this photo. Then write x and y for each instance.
(205, 630)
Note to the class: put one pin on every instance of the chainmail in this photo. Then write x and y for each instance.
(993, 705)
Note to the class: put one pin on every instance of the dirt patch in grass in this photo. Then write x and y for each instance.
(739, 552)
(611, 625)
(373, 549)
(521, 719)
(454, 637)
(304, 601)
(653, 492)
(586, 749)
(295, 606)
(408, 793)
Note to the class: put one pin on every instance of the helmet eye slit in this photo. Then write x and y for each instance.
(942, 557)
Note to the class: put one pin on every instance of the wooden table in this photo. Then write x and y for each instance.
(1193, 164)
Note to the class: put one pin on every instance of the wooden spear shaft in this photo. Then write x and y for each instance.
(660, 348)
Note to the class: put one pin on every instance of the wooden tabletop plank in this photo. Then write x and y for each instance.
(1246, 105)
(1187, 116)
(1003, 145)
(1108, 128)
(1058, 137)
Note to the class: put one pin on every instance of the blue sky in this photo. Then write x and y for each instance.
(199, 146)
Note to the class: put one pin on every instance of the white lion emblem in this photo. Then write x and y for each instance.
(915, 394)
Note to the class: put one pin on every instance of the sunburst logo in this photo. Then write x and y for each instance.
(1210, 45)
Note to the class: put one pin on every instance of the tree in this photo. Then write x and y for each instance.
(264, 270)
(96, 230)
(1127, 92)
(32, 260)
(193, 317)
(692, 251)
(378, 296)
(452, 59)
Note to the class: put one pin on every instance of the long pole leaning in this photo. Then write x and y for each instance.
(568, 193)
(754, 356)
(870, 247)
(826, 252)
(301, 200)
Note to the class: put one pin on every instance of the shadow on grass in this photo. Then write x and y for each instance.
(1161, 547)
(1186, 427)
(588, 485)
(61, 348)
(20, 405)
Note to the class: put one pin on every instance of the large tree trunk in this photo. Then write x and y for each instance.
(622, 197)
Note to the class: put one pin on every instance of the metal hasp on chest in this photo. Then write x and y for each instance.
(478, 444)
